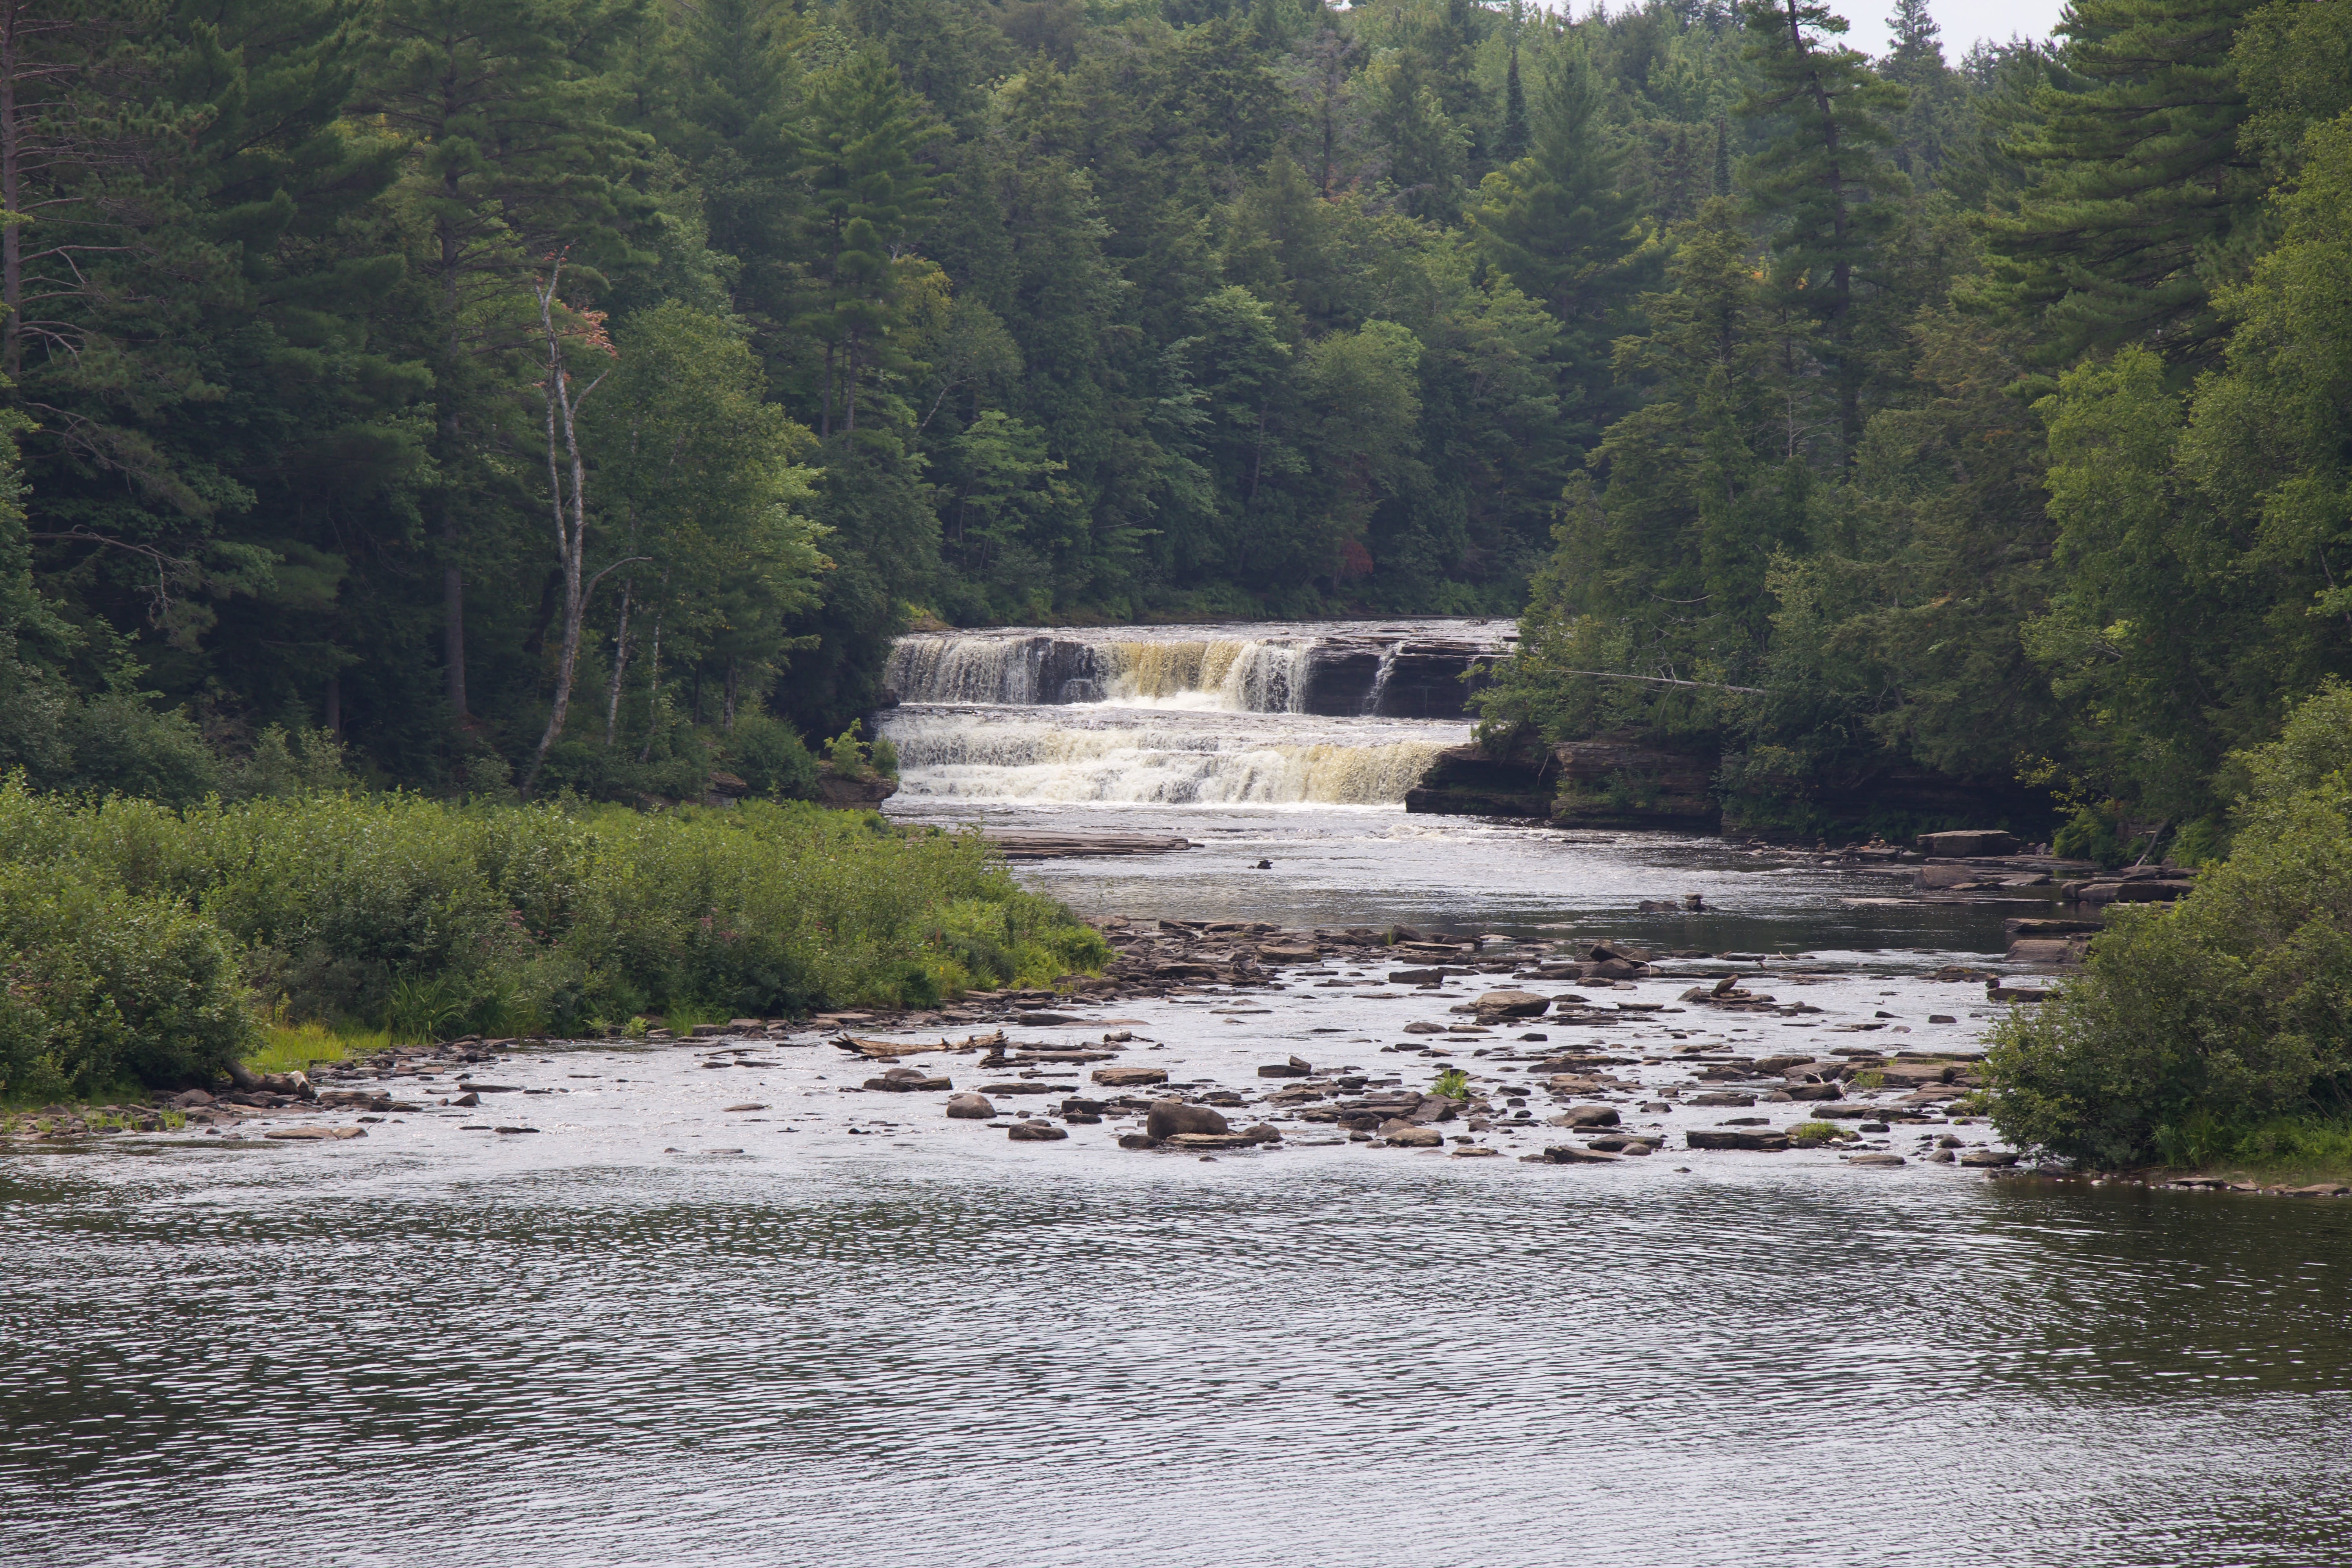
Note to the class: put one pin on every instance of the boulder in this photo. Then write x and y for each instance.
(1412, 1137)
(906, 1081)
(1735, 1138)
(1720, 1098)
(969, 1108)
(1170, 1117)
(1129, 1077)
(849, 792)
(1587, 1116)
(1989, 1157)
(2045, 950)
(1206, 1142)
(1568, 1154)
(1875, 1159)
(1295, 1067)
(1416, 976)
(1969, 841)
(1510, 1004)
(1420, 1028)
(1035, 1132)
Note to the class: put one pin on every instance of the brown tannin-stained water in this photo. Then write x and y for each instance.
(841, 1328)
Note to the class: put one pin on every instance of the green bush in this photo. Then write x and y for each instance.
(767, 753)
(433, 920)
(103, 983)
(2088, 835)
(2191, 1027)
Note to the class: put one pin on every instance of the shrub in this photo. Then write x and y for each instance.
(2229, 1011)
(432, 920)
(102, 983)
(768, 756)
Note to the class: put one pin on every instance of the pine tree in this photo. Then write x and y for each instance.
(1513, 143)
(1932, 113)
(2146, 194)
(869, 198)
(1820, 181)
(1560, 225)
(507, 106)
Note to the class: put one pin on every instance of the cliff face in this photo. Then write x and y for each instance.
(1605, 782)
(1621, 780)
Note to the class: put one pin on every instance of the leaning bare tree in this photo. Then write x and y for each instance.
(567, 481)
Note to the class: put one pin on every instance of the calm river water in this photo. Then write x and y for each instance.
(923, 1345)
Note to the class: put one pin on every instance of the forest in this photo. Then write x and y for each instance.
(577, 393)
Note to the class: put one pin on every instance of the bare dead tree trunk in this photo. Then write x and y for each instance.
(620, 662)
(570, 505)
(653, 691)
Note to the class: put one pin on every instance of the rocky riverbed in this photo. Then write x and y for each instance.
(1235, 1039)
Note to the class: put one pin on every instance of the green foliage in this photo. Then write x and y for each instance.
(2194, 1028)
(771, 759)
(2089, 835)
(104, 984)
(1451, 1082)
(432, 920)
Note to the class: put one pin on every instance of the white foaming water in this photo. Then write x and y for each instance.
(1279, 714)
(1163, 757)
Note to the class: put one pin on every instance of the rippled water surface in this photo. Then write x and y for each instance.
(881, 1357)
(662, 1331)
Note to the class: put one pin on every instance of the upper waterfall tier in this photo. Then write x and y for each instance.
(1343, 669)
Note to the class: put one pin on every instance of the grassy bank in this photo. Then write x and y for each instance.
(155, 946)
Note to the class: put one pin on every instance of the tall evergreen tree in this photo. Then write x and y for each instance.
(1822, 183)
(2145, 193)
(1560, 224)
(869, 196)
(505, 108)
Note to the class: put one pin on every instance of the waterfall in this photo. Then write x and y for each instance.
(1274, 714)
(1381, 679)
(1178, 761)
(1243, 675)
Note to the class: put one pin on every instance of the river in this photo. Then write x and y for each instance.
(851, 1331)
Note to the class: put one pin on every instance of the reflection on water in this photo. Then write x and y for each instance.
(1172, 1363)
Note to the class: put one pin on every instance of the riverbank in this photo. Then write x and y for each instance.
(1234, 1038)
(150, 943)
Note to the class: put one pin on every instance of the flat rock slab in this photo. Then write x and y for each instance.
(1129, 1077)
(1510, 1004)
(1020, 844)
(1990, 1158)
(1211, 1141)
(1022, 1087)
(1887, 1160)
(1035, 1132)
(1416, 1138)
(1568, 1155)
(1727, 1138)
(314, 1135)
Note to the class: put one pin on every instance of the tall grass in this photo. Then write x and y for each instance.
(425, 920)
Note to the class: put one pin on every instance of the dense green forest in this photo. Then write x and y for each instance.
(579, 392)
